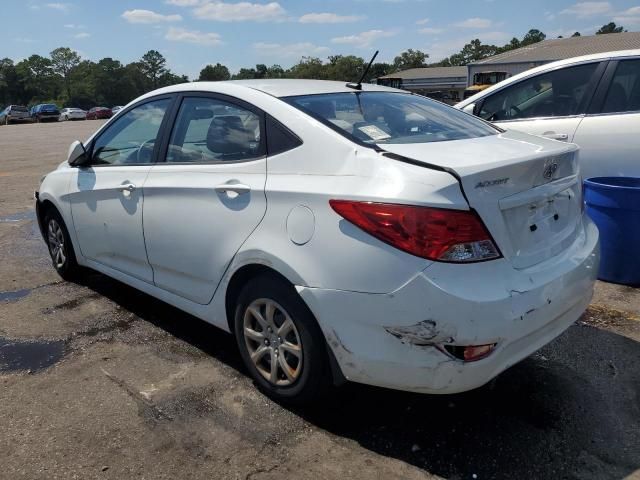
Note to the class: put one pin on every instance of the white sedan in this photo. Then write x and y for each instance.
(340, 233)
(72, 114)
(593, 101)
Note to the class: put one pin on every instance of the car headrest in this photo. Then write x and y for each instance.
(227, 135)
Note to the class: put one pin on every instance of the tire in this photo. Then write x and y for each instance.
(6, 120)
(309, 371)
(57, 235)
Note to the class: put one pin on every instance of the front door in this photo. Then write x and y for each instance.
(206, 198)
(550, 104)
(107, 196)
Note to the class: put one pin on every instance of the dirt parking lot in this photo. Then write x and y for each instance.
(100, 381)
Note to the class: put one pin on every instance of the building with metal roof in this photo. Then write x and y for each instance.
(521, 59)
(441, 83)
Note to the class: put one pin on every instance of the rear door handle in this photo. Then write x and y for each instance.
(238, 188)
(556, 136)
(126, 187)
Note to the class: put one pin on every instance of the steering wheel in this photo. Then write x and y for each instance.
(145, 148)
(515, 109)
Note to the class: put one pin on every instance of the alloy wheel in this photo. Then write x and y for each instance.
(55, 238)
(273, 342)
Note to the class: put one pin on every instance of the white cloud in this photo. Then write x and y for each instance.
(587, 9)
(329, 18)
(474, 23)
(628, 17)
(422, 21)
(147, 16)
(63, 7)
(363, 39)
(430, 31)
(241, 11)
(184, 3)
(292, 50)
(82, 35)
(193, 36)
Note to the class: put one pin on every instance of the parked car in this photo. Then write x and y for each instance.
(97, 113)
(363, 233)
(45, 112)
(116, 109)
(14, 113)
(72, 114)
(593, 101)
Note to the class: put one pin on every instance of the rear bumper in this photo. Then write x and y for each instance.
(491, 302)
(19, 119)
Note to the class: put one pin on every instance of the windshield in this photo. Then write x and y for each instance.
(386, 117)
(18, 108)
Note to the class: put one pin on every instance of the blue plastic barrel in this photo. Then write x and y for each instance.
(613, 203)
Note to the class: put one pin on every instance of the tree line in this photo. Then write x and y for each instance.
(66, 79)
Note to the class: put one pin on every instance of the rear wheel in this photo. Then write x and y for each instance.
(60, 248)
(280, 341)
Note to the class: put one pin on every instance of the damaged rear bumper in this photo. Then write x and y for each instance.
(395, 340)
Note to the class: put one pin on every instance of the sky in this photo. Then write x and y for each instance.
(194, 33)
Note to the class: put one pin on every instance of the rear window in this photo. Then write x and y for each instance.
(18, 108)
(48, 106)
(386, 117)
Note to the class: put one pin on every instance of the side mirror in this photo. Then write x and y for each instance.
(77, 154)
(469, 108)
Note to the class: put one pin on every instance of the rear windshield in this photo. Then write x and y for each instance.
(49, 106)
(18, 108)
(387, 117)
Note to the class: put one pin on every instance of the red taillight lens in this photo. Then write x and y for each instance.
(432, 233)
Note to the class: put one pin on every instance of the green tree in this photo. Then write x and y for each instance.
(308, 67)
(37, 79)
(214, 73)
(610, 28)
(410, 59)
(275, 71)
(153, 65)
(532, 36)
(63, 61)
(347, 68)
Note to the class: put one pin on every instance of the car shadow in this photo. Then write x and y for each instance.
(569, 411)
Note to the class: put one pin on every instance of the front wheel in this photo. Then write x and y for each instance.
(60, 248)
(280, 342)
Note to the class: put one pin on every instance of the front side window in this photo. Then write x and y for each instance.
(624, 92)
(559, 93)
(213, 130)
(388, 117)
(131, 138)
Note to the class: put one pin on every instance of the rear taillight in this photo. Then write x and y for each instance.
(432, 233)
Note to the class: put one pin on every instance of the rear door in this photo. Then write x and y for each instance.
(106, 195)
(609, 137)
(551, 104)
(207, 195)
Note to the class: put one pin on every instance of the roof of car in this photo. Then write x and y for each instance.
(280, 87)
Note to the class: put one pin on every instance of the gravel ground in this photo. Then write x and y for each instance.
(98, 380)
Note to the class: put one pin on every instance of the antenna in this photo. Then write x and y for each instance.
(358, 86)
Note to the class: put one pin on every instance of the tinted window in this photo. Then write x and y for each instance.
(559, 93)
(213, 130)
(385, 117)
(280, 138)
(624, 92)
(131, 138)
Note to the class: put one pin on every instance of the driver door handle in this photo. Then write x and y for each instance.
(556, 136)
(126, 187)
(238, 188)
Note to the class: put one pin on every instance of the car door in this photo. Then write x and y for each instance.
(551, 104)
(106, 194)
(207, 195)
(609, 135)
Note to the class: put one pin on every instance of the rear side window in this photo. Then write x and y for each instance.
(624, 91)
(279, 138)
(214, 130)
(559, 93)
(389, 117)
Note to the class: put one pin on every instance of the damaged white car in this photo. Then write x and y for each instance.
(340, 232)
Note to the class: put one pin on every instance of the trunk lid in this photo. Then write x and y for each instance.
(526, 189)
